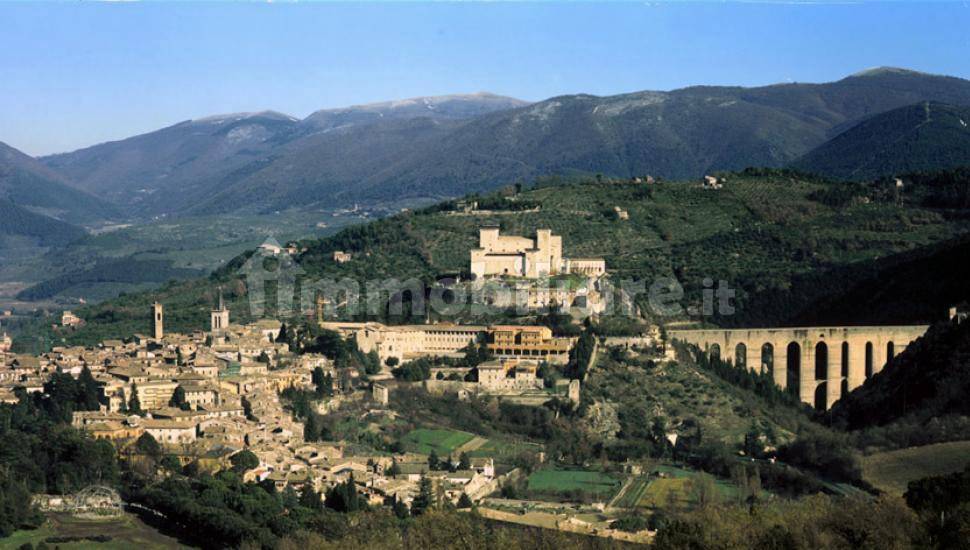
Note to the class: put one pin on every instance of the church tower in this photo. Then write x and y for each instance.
(158, 321)
(219, 319)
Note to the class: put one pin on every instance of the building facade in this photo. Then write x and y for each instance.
(531, 258)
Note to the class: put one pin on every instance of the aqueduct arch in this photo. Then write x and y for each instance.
(815, 362)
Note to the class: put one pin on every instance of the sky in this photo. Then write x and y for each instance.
(77, 74)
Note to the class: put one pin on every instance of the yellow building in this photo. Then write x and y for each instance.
(525, 341)
(155, 394)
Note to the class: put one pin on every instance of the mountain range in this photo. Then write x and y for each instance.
(863, 125)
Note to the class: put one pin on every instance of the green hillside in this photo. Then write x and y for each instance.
(760, 233)
(27, 182)
(15, 220)
(920, 137)
(929, 380)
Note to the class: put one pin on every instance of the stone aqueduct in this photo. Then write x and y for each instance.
(820, 364)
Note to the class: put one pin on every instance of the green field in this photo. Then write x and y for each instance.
(126, 532)
(443, 442)
(676, 489)
(891, 471)
(634, 493)
(563, 481)
(501, 449)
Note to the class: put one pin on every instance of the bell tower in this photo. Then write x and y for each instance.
(158, 320)
(219, 318)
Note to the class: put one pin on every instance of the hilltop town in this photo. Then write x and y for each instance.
(528, 385)
(204, 400)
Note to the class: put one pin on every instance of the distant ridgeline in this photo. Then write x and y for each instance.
(793, 255)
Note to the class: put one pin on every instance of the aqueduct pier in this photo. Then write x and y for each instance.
(820, 364)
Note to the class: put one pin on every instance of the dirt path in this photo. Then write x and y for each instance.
(472, 445)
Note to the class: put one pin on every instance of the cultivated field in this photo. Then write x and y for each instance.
(443, 442)
(121, 534)
(564, 481)
(893, 470)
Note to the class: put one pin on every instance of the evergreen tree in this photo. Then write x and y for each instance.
(311, 430)
(148, 446)
(89, 391)
(424, 500)
(343, 497)
(243, 461)
(464, 463)
(311, 499)
(433, 460)
(178, 399)
(134, 405)
(400, 509)
(464, 501)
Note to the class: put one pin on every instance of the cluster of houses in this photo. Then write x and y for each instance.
(228, 382)
(208, 395)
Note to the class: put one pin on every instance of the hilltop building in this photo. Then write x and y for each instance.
(341, 257)
(515, 256)
(68, 319)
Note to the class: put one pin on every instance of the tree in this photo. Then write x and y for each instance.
(134, 405)
(703, 490)
(433, 460)
(89, 391)
(464, 501)
(311, 499)
(463, 462)
(16, 509)
(243, 461)
(424, 500)
(178, 399)
(148, 446)
(263, 358)
(401, 510)
(392, 362)
(171, 463)
(283, 337)
(311, 431)
(343, 497)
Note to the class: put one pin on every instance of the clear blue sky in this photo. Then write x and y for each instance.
(73, 75)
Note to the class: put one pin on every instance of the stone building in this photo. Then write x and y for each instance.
(515, 256)
(526, 341)
(508, 375)
(406, 342)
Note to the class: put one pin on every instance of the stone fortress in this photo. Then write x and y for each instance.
(530, 258)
